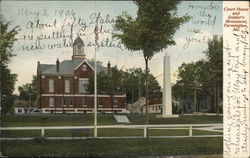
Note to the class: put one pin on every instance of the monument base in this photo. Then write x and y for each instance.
(167, 116)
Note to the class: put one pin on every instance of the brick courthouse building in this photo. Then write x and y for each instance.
(63, 87)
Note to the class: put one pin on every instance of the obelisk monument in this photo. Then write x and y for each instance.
(167, 92)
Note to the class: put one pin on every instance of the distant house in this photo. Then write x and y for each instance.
(63, 87)
(154, 106)
(136, 106)
(203, 104)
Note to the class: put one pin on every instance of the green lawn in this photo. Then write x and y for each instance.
(113, 147)
(80, 120)
(113, 132)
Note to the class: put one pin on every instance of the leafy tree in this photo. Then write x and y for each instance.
(28, 90)
(108, 83)
(205, 76)
(134, 85)
(7, 79)
(191, 77)
(214, 55)
(150, 32)
(120, 82)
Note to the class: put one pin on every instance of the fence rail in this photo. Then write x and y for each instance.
(190, 127)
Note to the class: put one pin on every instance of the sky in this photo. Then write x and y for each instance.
(39, 19)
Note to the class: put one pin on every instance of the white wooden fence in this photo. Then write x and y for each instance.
(191, 127)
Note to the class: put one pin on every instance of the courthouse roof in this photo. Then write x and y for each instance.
(67, 67)
(78, 40)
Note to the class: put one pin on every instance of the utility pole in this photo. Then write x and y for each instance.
(132, 94)
(139, 93)
(217, 97)
(29, 101)
(0, 114)
(95, 80)
(195, 101)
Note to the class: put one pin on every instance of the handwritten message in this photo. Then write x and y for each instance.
(202, 17)
(50, 29)
(236, 82)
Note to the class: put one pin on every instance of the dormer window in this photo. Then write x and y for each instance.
(84, 67)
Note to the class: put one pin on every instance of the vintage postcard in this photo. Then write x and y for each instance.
(124, 78)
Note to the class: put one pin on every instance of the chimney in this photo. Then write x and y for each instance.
(57, 65)
(108, 67)
(38, 67)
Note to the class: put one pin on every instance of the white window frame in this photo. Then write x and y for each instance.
(84, 67)
(67, 86)
(84, 101)
(51, 101)
(70, 100)
(115, 103)
(100, 102)
(51, 85)
(64, 100)
(84, 85)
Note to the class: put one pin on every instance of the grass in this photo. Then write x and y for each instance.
(81, 120)
(112, 147)
(107, 147)
(21, 133)
(112, 132)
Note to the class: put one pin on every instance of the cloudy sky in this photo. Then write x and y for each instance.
(40, 19)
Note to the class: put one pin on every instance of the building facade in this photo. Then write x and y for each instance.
(154, 106)
(63, 87)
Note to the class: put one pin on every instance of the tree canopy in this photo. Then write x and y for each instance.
(129, 82)
(150, 32)
(7, 79)
(206, 75)
(28, 89)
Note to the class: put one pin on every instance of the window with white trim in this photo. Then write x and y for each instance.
(85, 102)
(51, 85)
(70, 102)
(115, 102)
(83, 85)
(100, 101)
(84, 67)
(67, 102)
(67, 86)
(64, 102)
(51, 101)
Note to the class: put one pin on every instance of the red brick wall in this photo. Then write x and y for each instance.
(74, 89)
(77, 102)
(81, 74)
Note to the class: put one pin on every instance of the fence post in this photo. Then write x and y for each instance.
(42, 132)
(145, 131)
(190, 131)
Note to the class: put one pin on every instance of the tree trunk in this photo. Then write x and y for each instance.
(112, 103)
(214, 100)
(194, 109)
(146, 92)
(217, 98)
